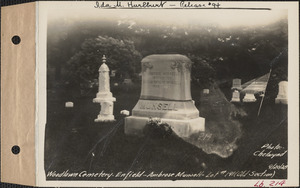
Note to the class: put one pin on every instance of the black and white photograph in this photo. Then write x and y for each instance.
(140, 92)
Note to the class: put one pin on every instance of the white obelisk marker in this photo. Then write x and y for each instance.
(104, 96)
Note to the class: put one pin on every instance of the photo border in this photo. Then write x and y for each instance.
(293, 105)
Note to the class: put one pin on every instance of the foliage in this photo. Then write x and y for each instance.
(157, 129)
(121, 56)
(219, 54)
(202, 72)
(279, 73)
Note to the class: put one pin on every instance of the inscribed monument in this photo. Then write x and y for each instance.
(166, 94)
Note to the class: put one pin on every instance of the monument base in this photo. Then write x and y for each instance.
(281, 101)
(249, 100)
(100, 100)
(105, 118)
(135, 125)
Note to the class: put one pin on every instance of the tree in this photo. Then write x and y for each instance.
(121, 56)
(202, 72)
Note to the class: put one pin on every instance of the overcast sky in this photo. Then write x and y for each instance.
(180, 17)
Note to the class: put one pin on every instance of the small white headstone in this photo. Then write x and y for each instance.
(116, 84)
(69, 105)
(125, 112)
(235, 96)
(282, 97)
(205, 91)
(249, 97)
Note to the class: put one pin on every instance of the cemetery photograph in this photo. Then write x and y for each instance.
(166, 94)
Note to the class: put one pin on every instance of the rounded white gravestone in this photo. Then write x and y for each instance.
(282, 97)
(125, 112)
(69, 104)
(166, 94)
(205, 91)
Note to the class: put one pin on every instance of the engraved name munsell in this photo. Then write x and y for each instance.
(158, 106)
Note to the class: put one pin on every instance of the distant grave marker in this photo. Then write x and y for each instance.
(205, 91)
(125, 112)
(282, 97)
(235, 96)
(236, 84)
(249, 97)
(69, 104)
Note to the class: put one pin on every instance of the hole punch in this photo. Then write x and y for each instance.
(15, 150)
(16, 39)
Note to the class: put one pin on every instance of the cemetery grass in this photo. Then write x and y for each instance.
(74, 142)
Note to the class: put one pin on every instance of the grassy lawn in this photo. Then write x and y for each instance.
(75, 142)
